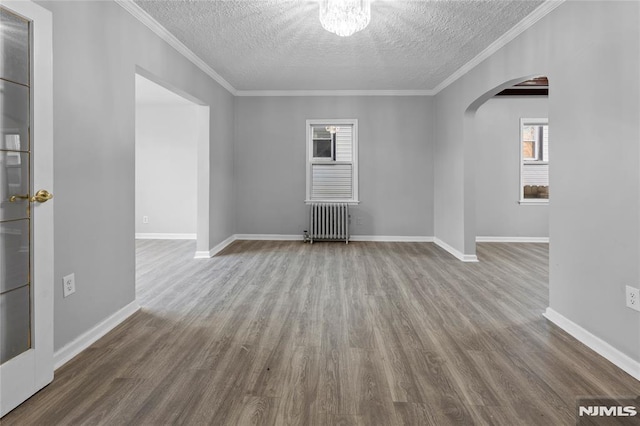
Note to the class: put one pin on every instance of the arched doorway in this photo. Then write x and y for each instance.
(471, 155)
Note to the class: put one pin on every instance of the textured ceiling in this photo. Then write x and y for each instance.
(280, 45)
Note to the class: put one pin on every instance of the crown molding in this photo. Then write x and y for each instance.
(543, 10)
(335, 93)
(146, 19)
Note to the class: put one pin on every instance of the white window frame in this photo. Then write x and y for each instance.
(529, 122)
(311, 160)
(322, 159)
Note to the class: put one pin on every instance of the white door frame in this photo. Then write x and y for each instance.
(30, 371)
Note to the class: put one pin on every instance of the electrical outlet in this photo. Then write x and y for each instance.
(633, 298)
(145, 219)
(69, 285)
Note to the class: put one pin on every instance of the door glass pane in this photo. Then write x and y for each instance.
(14, 48)
(14, 113)
(14, 262)
(14, 323)
(15, 185)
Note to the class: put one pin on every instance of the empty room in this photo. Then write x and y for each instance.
(319, 212)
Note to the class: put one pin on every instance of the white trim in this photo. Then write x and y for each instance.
(146, 19)
(203, 255)
(621, 360)
(350, 202)
(257, 93)
(543, 10)
(376, 238)
(533, 201)
(270, 237)
(459, 255)
(164, 236)
(512, 239)
(42, 132)
(88, 338)
(522, 200)
(28, 372)
(203, 180)
(215, 250)
(354, 156)
(392, 238)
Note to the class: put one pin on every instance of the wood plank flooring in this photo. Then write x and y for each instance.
(286, 333)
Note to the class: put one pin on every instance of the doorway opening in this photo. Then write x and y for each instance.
(171, 163)
(512, 157)
(494, 191)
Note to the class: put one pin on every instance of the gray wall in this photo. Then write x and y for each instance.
(166, 173)
(395, 163)
(498, 212)
(96, 48)
(404, 168)
(594, 235)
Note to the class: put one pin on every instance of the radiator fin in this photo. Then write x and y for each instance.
(329, 221)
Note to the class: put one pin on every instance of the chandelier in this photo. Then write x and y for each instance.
(345, 17)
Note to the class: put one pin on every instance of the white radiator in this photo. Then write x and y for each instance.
(329, 221)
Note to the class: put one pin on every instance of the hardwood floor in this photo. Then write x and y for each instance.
(281, 333)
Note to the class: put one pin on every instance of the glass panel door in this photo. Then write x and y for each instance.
(15, 183)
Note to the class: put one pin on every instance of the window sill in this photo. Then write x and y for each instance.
(535, 201)
(350, 202)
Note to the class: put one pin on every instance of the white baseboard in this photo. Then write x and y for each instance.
(459, 255)
(82, 342)
(381, 238)
(512, 239)
(391, 238)
(624, 362)
(298, 237)
(164, 236)
(215, 250)
(269, 237)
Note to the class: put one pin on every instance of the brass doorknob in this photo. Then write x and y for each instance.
(42, 196)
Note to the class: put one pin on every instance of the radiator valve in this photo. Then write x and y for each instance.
(305, 236)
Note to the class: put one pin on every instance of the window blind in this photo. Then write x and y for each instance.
(331, 181)
(334, 180)
(344, 143)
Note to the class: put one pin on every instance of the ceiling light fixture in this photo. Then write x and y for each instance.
(345, 17)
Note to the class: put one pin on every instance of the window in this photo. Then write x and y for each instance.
(534, 160)
(332, 160)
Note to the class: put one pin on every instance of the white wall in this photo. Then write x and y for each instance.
(594, 234)
(97, 48)
(166, 172)
(395, 163)
(498, 212)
